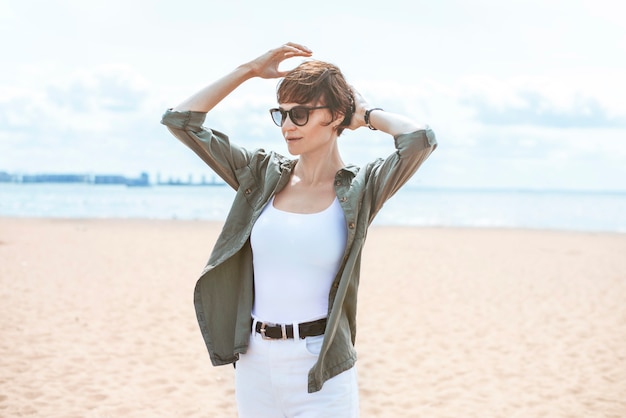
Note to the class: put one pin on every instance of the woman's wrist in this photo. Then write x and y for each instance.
(247, 71)
(367, 117)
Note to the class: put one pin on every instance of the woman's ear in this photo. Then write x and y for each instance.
(337, 120)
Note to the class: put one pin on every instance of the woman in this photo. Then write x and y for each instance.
(278, 295)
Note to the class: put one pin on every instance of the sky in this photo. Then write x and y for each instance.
(521, 94)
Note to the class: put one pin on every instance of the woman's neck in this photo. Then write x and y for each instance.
(312, 170)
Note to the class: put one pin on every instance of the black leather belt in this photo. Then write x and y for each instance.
(283, 332)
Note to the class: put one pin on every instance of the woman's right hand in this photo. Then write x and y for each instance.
(266, 66)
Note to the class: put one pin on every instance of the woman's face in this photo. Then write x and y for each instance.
(316, 135)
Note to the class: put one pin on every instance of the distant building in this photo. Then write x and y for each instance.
(55, 178)
(143, 180)
(109, 179)
(6, 177)
(105, 179)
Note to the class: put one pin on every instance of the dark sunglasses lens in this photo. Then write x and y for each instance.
(277, 116)
(299, 115)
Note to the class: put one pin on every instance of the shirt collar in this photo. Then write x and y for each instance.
(351, 169)
(288, 165)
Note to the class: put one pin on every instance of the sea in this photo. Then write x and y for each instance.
(567, 210)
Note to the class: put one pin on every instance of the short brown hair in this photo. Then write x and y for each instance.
(318, 82)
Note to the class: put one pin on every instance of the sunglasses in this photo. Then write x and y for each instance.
(299, 115)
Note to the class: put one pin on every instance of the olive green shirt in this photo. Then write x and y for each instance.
(224, 292)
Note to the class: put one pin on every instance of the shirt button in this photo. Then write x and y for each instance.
(248, 191)
(351, 225)
(343, 199)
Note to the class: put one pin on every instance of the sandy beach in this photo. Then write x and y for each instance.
(97, 320)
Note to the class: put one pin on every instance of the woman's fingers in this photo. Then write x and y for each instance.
(301, 49)
(290, 50)
(267, 64)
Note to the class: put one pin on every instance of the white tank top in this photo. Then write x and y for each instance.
(296, 257)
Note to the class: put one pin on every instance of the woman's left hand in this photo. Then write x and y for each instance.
(360, 105)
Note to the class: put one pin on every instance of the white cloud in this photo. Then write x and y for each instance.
(557, 101)
(84, 102)
(114, 88)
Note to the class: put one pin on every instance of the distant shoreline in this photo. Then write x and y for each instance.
(411, 206)
(424, 189)
(101, 179)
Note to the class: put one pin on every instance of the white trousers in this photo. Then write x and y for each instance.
(271, 381)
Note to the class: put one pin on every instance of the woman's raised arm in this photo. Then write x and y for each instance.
(265, 66)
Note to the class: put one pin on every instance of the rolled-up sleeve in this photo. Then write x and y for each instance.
(213, 147)
(412, 149)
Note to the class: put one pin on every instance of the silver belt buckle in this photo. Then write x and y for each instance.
(265, 337)
(262, 331)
